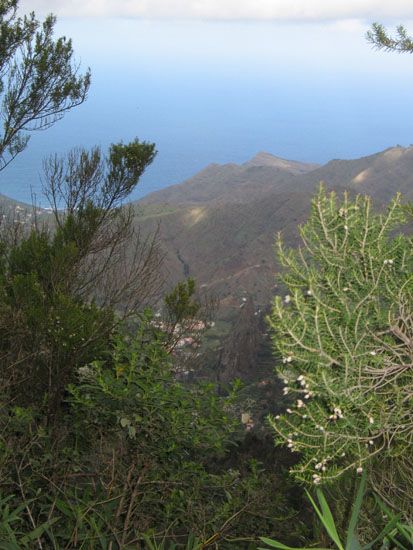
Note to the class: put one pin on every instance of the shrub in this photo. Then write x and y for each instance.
(344, 333)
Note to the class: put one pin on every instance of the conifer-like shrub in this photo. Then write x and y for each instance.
(344, 335)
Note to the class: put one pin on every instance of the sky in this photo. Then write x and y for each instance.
(279, 10)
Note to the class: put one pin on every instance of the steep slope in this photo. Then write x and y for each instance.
(228, 247)
(380, 175)
(220, 226)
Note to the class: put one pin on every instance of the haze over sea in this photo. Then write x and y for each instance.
(207, 91)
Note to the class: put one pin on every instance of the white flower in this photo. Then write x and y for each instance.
(289, 411)
(346, 227)
(286, 390)
(309, 293)
(277, 417)
(304, 416)
(371, 442)
(359, 470)
(287, 299)
(371, 420)
(300, 378)
(85, 371)
(289, 359)
(346, 289)
(372, 353)
(318, 466)
(300, 403)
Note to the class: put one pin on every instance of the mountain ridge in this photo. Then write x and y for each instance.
(219, 226)
(223, 221)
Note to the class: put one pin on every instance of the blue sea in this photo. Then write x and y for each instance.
(209, 92)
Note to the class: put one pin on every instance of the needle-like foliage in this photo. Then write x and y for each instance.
(381, 40)
(39, 80)
(344, 332)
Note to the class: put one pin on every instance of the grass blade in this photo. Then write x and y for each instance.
(326, 517)
(281, 546)
(355, 513)
(389, 527)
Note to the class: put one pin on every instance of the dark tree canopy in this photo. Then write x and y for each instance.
(39, 79)
(380, 39)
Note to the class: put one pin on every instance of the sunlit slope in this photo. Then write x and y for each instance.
(220, 225)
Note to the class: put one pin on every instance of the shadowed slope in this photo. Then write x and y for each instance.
(220, 225)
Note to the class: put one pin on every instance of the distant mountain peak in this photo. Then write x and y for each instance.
(267, 159)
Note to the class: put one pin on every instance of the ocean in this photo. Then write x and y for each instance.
(208, 92)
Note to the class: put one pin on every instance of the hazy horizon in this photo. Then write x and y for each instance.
(220, 91)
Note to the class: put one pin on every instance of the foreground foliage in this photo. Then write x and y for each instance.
(135, 454)
(39, 79)
(394, 532)
(100, 445)
(344, 333)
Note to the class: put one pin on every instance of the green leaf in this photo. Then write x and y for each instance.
(326, 517)
(352, 542)
(124, 422)
(389, 527)
(275, 544)
(63, 507)
(406, 531)
(397, 543)
(38, 532)
(149, 543)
